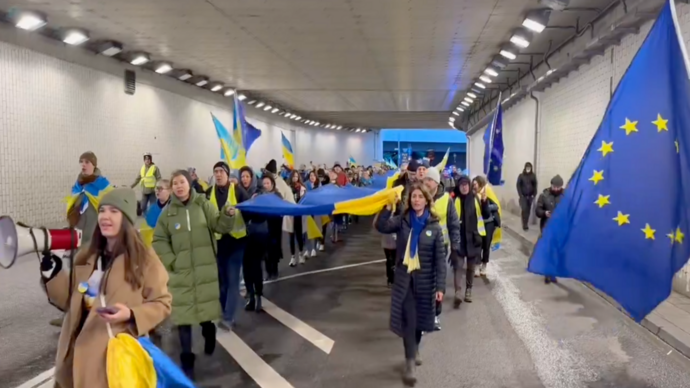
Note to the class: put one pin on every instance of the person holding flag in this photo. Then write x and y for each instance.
(618, 232)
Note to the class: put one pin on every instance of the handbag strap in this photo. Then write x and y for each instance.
(110, 329)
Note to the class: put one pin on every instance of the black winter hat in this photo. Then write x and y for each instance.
(222, 165)
(413, 166)
(272, 166)
(557, 181)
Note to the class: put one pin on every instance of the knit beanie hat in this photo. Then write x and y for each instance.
(222, 165)
(557, 181)
(90, 156)
(413, 166)
(125, 200)
(434, 175)
(272, 166)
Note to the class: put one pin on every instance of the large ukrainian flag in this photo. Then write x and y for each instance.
(288, 155)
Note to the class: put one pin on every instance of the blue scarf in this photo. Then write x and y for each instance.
(417, 224)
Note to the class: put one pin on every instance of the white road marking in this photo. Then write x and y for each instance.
(307, 332)
(255, 366)
(297, 275)
(40, 381)
(48, 384)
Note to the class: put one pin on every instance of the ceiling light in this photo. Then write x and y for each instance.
(465, 103)
(242, 97)
(252, 102)
(298, 118)
(480, 85)
(216, 87)
(468, 100)
(477, 91)
(485, 79)
(472, 95)
(491, 72)
(317, 123)
(328, 126)
(508, 54)
(260, 104)
(201, 81)
(456, 113)
(109, 48)
(75, 36)
(461, 109)
(30, 20)
(536, 21)
(357, 130)
(520, 39)
(275, 110)
(163, 67)
(499, 63)
(452, 125)
(184, 74)
(229, 92)
(451, 119)
(339, 127)
(139, 59)
(268, 107)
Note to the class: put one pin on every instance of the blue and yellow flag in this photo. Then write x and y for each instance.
(228, 146)
(442, 166)
(288, 155)
(239, 128)
(623, 219)
(353, 162)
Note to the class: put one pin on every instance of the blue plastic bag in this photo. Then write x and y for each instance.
(168, 374)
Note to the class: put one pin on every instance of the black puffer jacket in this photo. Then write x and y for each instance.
(428, 280)
(527, 182)
(547, 202)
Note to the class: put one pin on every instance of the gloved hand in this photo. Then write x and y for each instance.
(51, 265)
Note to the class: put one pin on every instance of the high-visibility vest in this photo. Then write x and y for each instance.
(238, 229)
(480, 219)
(148, 177)
(441, 210)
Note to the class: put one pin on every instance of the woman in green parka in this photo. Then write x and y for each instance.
(184, 240)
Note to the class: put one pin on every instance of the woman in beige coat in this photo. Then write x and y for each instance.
(131, 279)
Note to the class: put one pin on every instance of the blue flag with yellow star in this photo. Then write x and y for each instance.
(622, 222)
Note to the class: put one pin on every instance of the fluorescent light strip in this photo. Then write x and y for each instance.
(533, 25)
(508, 54)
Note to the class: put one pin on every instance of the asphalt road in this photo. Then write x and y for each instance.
(519, 332)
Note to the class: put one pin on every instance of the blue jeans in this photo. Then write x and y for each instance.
(229, 270)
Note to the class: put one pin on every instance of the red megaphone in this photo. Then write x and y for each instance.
(17, 240)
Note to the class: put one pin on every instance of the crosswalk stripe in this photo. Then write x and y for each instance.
(262, 373)
(40, 380)
(307, 332)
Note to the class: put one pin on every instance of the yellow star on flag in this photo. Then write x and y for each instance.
(598, 176)
(661, 124)
(677, 149)
(679, 236)
(603, 200)
(622, 219)
(648, 232)
(629, 126)
(606, 148)
(672, 236)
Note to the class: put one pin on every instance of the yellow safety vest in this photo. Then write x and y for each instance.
(480, 219)
(441, 210)
(238, 230)
(148, 178)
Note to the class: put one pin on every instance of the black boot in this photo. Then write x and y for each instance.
(468, 295)
(187, 361)
(251, 303)
(409, 376)
(209, 333)
(257, 306)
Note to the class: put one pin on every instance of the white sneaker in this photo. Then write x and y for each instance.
(313, 253)
(303, 257)
(321, 248)
(482, 270)
(293, 262)
(476, 272)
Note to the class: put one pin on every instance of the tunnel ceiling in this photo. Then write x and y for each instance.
(368, 63)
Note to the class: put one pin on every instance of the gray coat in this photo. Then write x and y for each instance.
(430, 279)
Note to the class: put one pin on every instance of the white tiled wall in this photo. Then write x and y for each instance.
(52, 110)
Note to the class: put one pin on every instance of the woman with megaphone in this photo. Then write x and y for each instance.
(117, 268)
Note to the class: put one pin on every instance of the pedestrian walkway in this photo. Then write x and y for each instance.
(670, 321)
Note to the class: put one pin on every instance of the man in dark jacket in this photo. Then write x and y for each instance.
(230, 249)
(471, 232)
(527, 189)
(546, 204)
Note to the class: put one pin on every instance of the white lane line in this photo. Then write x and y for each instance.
(250, 362)
(297, 275)
(48, 384)
(307, 332)
(40, 380)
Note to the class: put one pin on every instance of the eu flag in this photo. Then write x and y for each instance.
(493, 148)
(622, 222)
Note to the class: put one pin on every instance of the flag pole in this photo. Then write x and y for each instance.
(491, 134)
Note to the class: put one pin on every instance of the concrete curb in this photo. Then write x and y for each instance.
(647, 323)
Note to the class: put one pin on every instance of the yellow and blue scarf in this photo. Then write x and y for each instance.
(93, 192)
(417, 225)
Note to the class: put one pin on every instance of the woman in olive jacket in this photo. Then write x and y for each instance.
(184, 240)
(420, 272)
